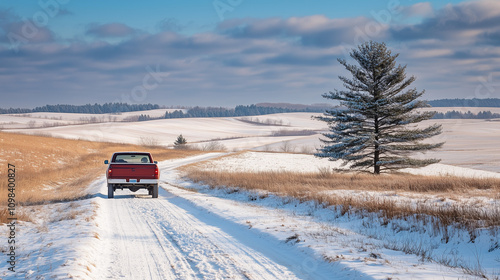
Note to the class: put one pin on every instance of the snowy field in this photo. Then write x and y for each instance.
(194, 232)
(40, 119)
(469, 143)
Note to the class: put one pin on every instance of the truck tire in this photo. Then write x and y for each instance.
(155, 191)
(110, 191)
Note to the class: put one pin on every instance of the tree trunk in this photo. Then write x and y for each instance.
(376, 155)
(376, 167)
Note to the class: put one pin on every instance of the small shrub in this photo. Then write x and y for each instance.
(149, 141)
(287, 147)
(180, 142)
(213, 146)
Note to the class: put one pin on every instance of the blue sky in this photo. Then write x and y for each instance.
(230, 52)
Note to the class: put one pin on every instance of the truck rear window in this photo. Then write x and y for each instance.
(132, 158)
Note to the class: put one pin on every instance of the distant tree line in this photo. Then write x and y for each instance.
(15, 111)
(238, 111)
(321, 107)
(249, 110)
(475, 102)
(468, 115)
(85, 109)
(96, 108)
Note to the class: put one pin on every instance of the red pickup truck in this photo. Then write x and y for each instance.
(133, 171)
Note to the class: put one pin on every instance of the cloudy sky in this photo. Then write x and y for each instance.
(231, 52)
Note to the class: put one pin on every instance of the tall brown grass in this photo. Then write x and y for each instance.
(314, 187)
(53, 169)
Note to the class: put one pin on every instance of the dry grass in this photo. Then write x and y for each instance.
(306, 182)
(54, 170)
(312, 187)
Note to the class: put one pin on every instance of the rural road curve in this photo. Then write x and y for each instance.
(173, 238)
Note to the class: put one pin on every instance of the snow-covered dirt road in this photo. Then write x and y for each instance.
(172, 238)
(191, 232)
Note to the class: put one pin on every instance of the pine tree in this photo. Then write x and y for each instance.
(180, 142)
(375, 126)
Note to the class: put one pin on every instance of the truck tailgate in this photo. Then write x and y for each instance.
(135, 171)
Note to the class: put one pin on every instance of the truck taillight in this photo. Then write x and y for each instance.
(156, 172)
(110, 171)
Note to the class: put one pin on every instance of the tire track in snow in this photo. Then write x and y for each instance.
(155, 239)
(219, 254)
(175, 256)
(133, 249)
